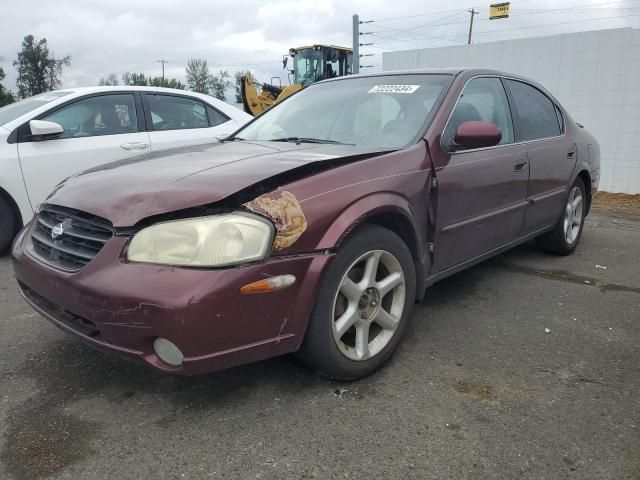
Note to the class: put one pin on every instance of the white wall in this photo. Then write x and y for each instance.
(595, 75)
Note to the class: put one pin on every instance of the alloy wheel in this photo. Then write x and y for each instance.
(368, 305)
(573, 215)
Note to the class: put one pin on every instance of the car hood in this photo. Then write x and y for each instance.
(127, 191)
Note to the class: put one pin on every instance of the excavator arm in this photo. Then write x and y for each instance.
(255, 103)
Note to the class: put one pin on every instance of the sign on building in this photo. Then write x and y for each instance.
(498, 10)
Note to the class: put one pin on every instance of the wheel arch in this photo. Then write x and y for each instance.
(6, 196)
(388, 210)
(585, 176)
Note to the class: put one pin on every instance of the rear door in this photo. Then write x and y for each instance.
(552, 157)
(481, 192)
(97, 129)
(180, 120)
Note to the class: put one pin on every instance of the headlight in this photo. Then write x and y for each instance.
(204, 242)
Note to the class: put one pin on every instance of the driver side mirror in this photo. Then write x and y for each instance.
(477, 134)
(45, 129)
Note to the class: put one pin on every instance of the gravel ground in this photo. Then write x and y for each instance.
(525, 366)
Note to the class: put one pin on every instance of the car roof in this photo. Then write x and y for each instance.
(128, 88)
(429, 71)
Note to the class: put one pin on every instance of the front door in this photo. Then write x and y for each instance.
(481, 192)
(97, 130)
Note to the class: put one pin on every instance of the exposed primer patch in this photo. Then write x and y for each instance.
(285, 212)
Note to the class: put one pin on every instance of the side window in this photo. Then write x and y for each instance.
(170, 112)
(560, 119)
(482, 99)
(215, 117)
(102, 115)
(535, 113)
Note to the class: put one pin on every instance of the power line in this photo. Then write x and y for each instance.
(419, 36)
(423, 14)
(587, 9)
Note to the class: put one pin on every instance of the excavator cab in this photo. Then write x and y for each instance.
(310, 64)
(320, 62)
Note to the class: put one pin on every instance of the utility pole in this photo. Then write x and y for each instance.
(356, 45)
(162, 62)
(472, 12)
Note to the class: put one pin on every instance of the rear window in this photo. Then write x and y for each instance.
(169, 112)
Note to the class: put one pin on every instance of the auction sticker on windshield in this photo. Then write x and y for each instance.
(394, 89)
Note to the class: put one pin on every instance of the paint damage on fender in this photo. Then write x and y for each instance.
(286, 214)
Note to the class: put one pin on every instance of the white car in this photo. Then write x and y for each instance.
(49, 137)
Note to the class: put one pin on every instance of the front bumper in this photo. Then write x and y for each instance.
(123, 307)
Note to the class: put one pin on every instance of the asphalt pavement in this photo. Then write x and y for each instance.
(523, 367)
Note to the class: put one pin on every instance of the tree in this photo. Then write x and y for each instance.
(167, 83)
(111, 80)
(138, 79)
(201, 80)
(219, 84)
(144, 81)
(238, 76)
(38, 70)
(198, 75)
(5, 95)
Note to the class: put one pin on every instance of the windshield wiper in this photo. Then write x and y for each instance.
(299, 140)
(231, 139)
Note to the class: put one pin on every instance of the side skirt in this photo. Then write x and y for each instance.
(436, 277)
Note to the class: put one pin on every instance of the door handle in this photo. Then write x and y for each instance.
(571, 154)
(519, 167)
(134, 146)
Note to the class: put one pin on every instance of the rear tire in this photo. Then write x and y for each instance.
(8, 225)
(362, 307)
(564, 237)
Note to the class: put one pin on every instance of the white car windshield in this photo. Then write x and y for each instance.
(387, 111)
(12, 111)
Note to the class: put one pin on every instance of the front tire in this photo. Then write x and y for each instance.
(362, 307)
(564, 237)
(8, 225)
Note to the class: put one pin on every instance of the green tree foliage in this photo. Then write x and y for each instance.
(110, 81)
(38, 70)
(198, 75)
(219, 84)
(5, 95)
(138, 79)
(238, 76)
(167, 83)
(141, 80)
(201, 80)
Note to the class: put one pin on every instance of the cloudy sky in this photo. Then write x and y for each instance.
(131, 35)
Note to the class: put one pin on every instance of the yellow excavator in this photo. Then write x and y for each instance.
(310, 64)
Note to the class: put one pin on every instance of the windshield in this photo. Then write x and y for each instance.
(15, 110)
(308, 66)
(386, 111)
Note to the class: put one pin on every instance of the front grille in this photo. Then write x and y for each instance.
(68, 239)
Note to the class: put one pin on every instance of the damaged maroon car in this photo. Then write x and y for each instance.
(313, 229)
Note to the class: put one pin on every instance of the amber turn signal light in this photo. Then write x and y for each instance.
(271, 284)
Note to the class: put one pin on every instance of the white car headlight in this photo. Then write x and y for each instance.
(213, 241)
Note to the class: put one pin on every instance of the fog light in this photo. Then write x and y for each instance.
(168, 352)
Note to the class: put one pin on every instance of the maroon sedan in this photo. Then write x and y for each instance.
(314, 228)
